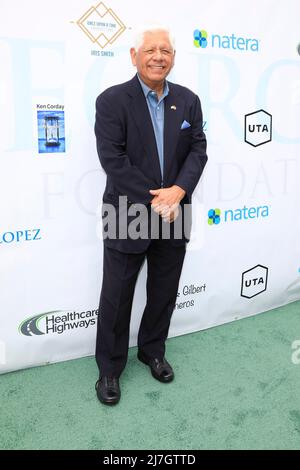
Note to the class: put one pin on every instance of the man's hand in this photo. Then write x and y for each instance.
(166, 201)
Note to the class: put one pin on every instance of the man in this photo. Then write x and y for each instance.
(152, 147)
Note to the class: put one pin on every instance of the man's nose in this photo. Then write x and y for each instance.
(157, 54)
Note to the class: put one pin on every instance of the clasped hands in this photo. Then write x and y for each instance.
(166, 201)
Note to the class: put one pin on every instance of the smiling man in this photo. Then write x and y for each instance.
(152, 147)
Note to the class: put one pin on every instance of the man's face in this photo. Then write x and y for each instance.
(155, 58)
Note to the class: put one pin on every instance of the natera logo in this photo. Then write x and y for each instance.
(234, 215)
(258, 128)
(214, 216)
(254, 281)
(57, 322)
(202, 39)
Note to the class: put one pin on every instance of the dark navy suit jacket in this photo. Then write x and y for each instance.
(128, 153)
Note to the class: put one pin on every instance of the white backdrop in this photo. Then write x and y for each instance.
(53, 65)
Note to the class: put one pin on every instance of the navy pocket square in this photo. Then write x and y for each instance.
(185, 125)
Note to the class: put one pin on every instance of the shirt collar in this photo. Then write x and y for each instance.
(148, 90)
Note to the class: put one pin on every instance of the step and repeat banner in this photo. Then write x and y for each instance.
(242, 59)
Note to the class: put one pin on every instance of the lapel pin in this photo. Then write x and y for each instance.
(173, 107)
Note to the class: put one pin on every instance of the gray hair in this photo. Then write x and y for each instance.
(140, 32)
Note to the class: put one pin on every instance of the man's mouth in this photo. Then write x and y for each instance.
(159, 67)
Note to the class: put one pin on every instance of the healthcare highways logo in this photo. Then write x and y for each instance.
(101, 25)
(57, 321)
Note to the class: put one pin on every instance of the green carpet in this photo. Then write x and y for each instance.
(235, 388)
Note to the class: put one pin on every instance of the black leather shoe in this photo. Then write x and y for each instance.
(160, 368)
(108, 390)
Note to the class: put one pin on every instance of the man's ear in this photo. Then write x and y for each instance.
(133, 55)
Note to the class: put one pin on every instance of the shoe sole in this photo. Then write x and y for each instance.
(110, 403)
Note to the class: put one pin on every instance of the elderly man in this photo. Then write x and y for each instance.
(152, 147)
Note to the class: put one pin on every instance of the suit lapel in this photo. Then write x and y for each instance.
(173, 117)
(141, 116)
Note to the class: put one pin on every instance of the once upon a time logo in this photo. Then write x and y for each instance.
(101, 25)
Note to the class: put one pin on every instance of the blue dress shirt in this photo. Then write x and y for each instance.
(157, 111)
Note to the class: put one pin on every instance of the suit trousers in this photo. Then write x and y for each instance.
(120, 272)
